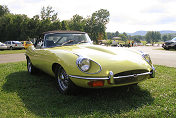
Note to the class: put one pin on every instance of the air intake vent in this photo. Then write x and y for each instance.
(131, 72)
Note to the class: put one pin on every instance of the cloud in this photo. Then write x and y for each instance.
(167, 20)
(156, 10)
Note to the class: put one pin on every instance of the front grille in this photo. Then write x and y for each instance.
(129, 76)
(130, 79)
(131, 72)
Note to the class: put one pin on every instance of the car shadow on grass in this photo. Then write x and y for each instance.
(41, 97)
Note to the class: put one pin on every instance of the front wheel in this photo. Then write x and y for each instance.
(64, 84)
(11, 48)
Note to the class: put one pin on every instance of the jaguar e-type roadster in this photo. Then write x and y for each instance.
(74, 61)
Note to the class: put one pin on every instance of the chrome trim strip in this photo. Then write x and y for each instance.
(110, 76)
(90, 78)
(134, 75)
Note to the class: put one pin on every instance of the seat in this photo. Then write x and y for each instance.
(50, 43)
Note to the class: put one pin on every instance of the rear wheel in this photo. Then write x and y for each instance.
(64, 84)
(31, 69)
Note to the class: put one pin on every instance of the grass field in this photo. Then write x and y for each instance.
(12, 51)
(24, 95)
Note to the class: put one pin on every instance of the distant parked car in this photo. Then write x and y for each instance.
(148, 44)
(14, 45)
(26, 44)
(171, 44)
(3, 46)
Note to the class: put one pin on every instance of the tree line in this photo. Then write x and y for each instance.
(150, 37)
(21, 27)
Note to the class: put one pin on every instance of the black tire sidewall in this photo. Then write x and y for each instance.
(33, 69)
(71, 87)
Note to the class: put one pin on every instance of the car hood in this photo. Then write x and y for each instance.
(107, 56)
(170, 41)
(97, 51)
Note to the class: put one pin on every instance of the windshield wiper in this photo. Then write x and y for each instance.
(82, 42)
(67, 42)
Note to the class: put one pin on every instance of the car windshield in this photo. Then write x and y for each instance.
(53, 40)
(174, 39)
(16, 42)
(28, 42)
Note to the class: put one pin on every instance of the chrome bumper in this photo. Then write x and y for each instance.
(111, 77)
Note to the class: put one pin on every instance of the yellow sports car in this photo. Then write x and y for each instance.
(74, 61)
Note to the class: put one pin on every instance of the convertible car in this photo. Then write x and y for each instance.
(74, 61)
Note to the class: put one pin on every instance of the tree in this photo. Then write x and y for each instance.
(3, 10)
(169, 37)
(137, 37)
(116, 33)
(96, 24)
(110, 35)
(137, 40)
(164, 37)
(123, 37)
(48, 13)
(64, 25)
(152, 36)
(77, 23)
(125, 34)
(157, 36)
(13, 27)
(20, 27)
(56, 25)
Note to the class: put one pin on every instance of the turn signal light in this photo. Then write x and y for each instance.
(96, 83)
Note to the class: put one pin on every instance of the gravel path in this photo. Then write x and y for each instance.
(6, 58)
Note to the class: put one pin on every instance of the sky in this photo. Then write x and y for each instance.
(125, 15)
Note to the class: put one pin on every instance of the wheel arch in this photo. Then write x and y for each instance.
(56, 65)
(27, 57)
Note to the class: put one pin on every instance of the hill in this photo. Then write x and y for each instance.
(142, 33)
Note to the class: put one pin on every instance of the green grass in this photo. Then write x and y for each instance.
(12, 51)
(24, 95)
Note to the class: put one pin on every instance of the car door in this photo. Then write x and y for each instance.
(41, 56)
(8, 44)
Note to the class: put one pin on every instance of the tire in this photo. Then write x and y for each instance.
(166, 48)
(63, 82)
(11, 48)
(31, 69)
(175, 47)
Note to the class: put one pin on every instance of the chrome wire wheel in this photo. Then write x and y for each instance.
(29, 66)
(63, 80)
(31, 69)
(64, 83)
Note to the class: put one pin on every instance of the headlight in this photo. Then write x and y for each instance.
(147, 58)
(83, 64)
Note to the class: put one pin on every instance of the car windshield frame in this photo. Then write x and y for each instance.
(65, 39)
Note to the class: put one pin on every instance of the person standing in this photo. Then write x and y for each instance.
(132, 43)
